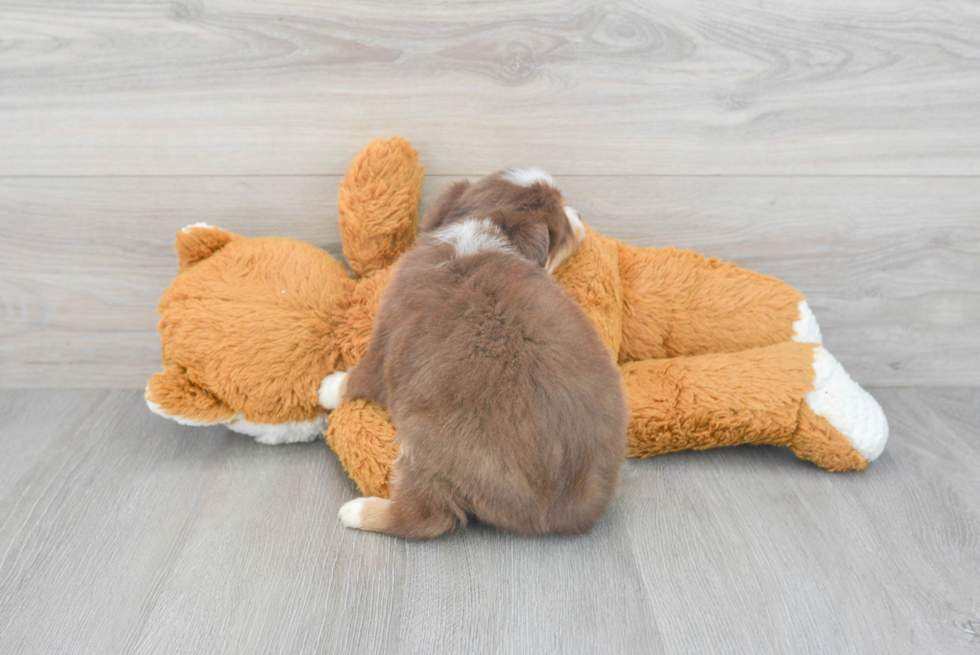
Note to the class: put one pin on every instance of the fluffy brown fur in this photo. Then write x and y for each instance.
(509, 406)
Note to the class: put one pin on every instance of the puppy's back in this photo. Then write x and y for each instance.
(509, 401)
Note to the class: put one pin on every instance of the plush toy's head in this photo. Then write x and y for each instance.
(249, 327)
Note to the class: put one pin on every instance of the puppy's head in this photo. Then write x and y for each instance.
(524, 206)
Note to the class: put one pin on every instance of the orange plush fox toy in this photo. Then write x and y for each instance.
(711, 354)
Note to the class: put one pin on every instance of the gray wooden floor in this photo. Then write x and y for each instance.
(833, 144)
(122, 532)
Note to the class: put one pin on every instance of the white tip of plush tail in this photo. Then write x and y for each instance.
(846, 406)
(805, 328)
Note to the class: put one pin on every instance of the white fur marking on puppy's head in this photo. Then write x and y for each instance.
(575, 221)
(190, 227)
(472, 236)
(527, 176)
(350, 513)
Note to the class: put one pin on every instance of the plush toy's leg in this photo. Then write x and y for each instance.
(379, 204)
(362, 435)
(199, 241)
(789, 394)
(681, 303)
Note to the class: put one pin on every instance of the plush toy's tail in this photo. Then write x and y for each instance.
(789, 394)
(845, 407)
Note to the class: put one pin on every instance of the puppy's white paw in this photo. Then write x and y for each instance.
(846, 406)
(350, 513)
(332, 389)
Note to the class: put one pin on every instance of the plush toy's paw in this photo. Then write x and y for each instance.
(846, 406)
(332, 390)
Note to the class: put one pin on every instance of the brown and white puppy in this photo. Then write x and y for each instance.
(509, 406)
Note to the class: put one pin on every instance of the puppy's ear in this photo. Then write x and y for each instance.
(532, 240)
(443, 207)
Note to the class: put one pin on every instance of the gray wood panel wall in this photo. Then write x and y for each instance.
(834, 144)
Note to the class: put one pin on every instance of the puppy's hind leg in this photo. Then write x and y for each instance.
(399, 517)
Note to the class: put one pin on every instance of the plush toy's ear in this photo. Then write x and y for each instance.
(200, 241)
(440, 210)
(171, 394)
(379, 204)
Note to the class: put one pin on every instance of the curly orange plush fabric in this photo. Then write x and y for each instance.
(711, 354)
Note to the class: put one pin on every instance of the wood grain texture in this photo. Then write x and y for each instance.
(92, 523)
(872, 569)
(891, 266)
(122, 532)
(83, 263)
(673, 87)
